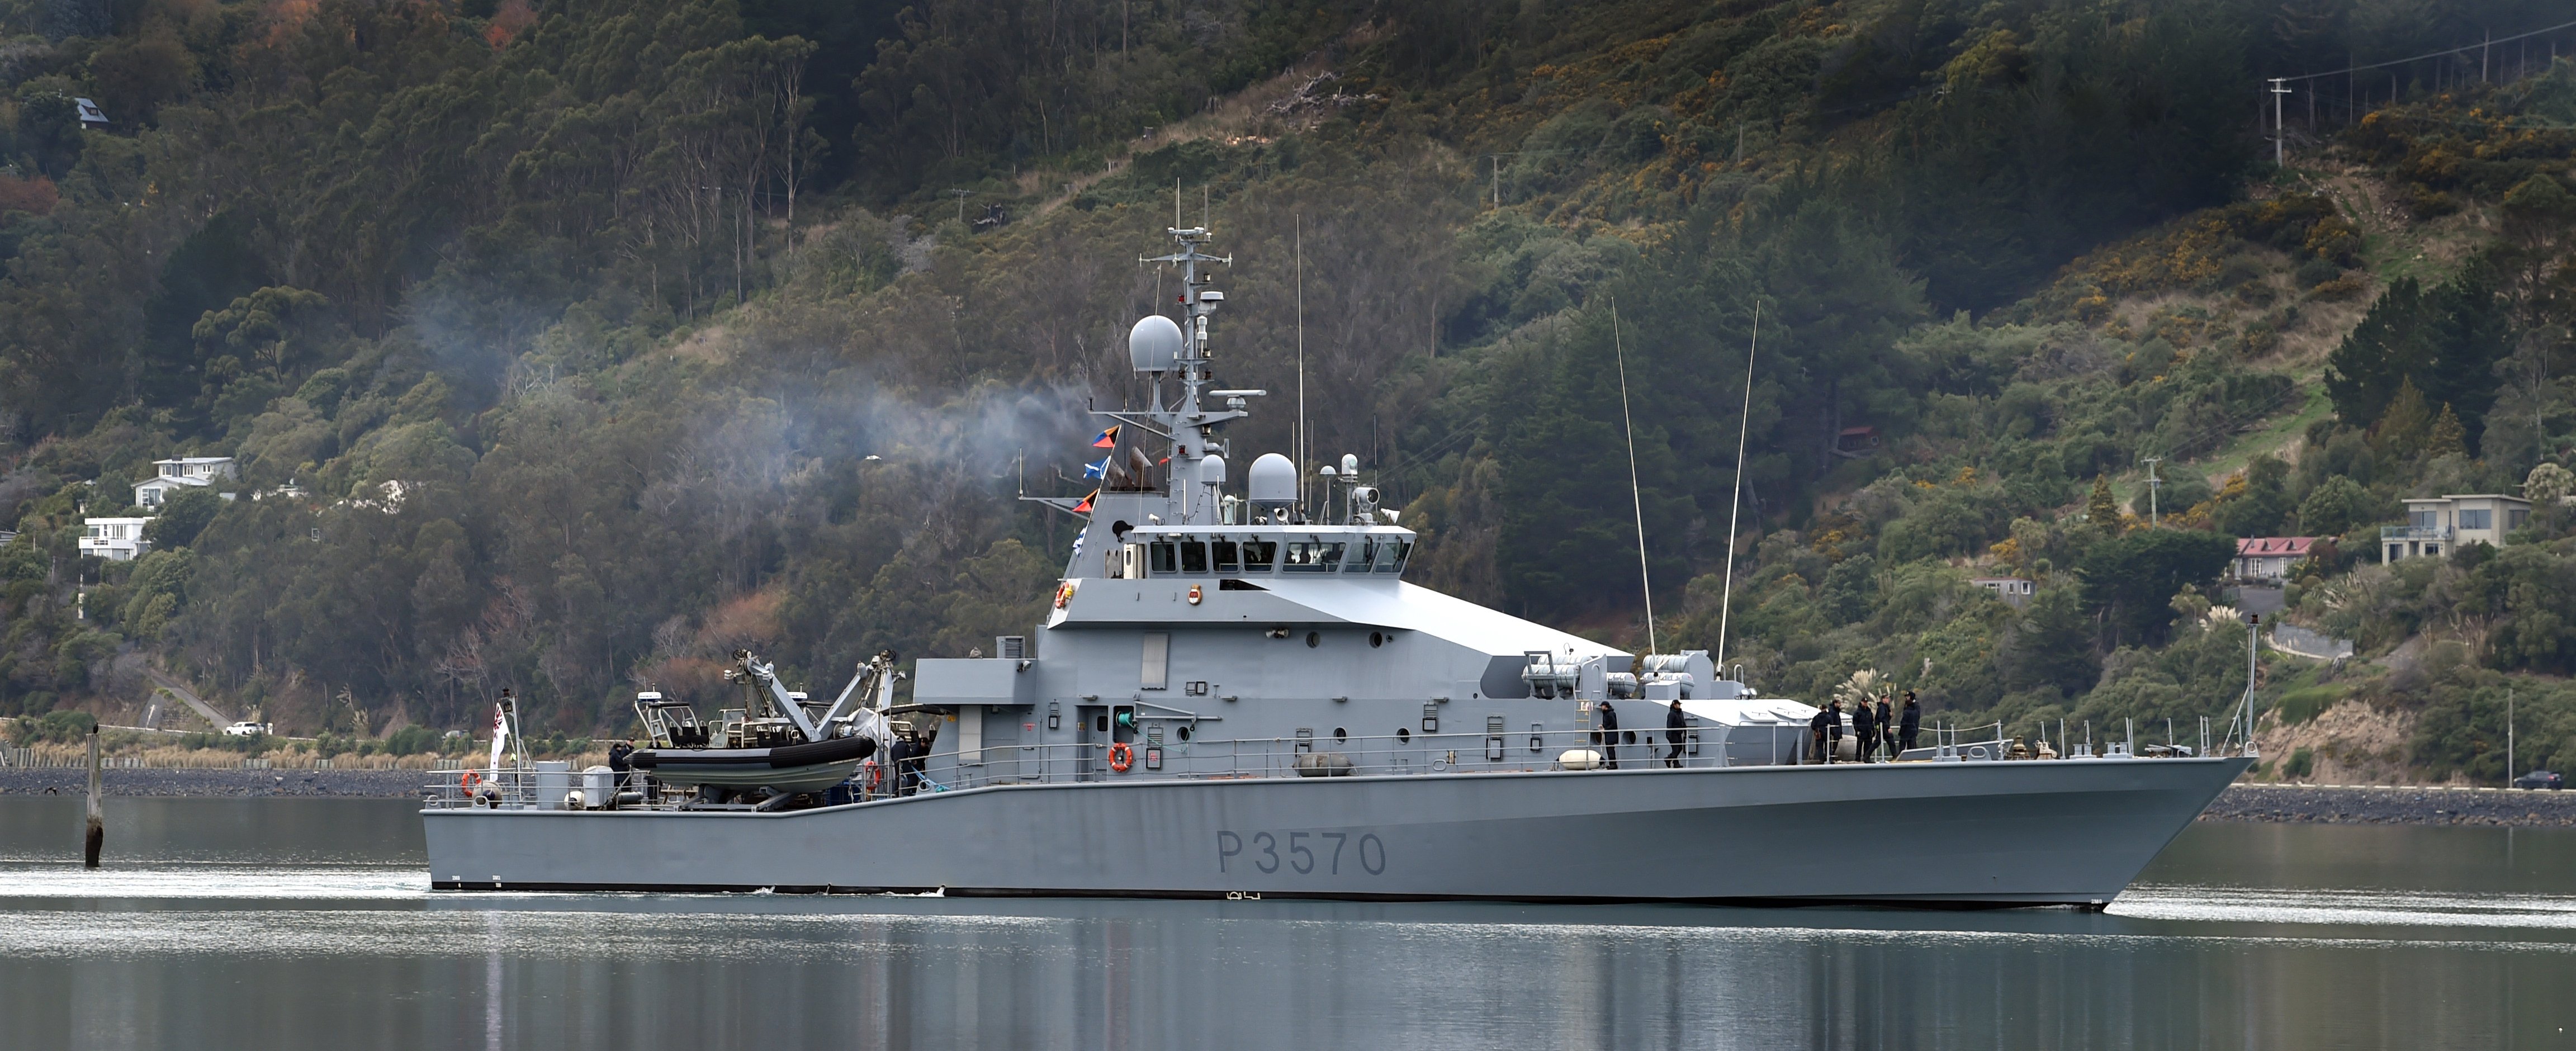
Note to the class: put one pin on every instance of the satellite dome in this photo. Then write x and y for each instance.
(1154, 344)
(1212, 470)
(1273, 480)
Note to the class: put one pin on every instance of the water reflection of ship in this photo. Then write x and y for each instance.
(1235, 692)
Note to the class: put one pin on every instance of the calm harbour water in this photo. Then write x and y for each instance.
(279, 924)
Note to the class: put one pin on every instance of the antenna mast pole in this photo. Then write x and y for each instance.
(1299, 220)
(1735, 505)
(1636, 499)
(2280, 154)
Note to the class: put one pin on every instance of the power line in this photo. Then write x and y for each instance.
(2436, 54)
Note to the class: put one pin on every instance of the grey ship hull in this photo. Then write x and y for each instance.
(1958, 834)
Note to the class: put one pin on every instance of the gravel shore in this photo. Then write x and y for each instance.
(2395, 805)
(378, 784)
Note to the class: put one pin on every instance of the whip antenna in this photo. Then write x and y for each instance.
(1636, 501)
(1735, 504)
(1300, 222)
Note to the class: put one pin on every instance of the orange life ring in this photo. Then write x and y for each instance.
(1121, 757)
(468, 781)
(876, 775)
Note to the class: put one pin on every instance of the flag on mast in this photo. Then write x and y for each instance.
(1096, 470)
(1084, 507)
(1108, 439)
(500, 733)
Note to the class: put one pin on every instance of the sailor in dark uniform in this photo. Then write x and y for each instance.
(1676, 723)
(1610, 734)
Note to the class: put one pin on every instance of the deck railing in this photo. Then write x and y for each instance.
(1323, 755)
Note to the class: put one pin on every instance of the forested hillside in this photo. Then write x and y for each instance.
(569, 347)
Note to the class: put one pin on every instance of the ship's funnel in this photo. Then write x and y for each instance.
(1154, 344)
(1273, 480)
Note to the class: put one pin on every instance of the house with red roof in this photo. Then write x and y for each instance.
(2270, 557)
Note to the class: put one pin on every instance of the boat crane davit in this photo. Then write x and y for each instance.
(1232, 695)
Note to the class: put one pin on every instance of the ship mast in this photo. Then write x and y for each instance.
(1191, 426)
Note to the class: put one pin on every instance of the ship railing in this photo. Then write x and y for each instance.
(544, 786)
(1327, 754)
(1525, 750)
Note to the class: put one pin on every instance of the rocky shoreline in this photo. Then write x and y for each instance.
(219, 782)
(2392, 805)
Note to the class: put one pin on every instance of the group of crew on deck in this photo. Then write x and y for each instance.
(1884, 732)
(1877, 726)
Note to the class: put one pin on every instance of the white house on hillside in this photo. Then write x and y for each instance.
(186, 472)
(2272, 557)
(114, 539)
(2438, 524)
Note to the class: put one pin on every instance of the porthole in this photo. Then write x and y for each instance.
(1314, 639)
(1183, 733)
(1377, 639)
(1627, 736)
(1340, 734)
(1403, 736)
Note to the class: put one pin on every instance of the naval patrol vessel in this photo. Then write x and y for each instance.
(1236, 693)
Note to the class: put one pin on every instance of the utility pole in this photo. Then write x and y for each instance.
(961, 202)
(2508, 736)
(2153, 484)
(2280, 154)
(96, 831)
(1498, 180)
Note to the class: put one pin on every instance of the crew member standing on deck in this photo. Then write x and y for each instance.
(1816, 735)
(1675, 722)
(1610, 734)
(1911, 724)
(1833, 730)
(1865, 725)
(1887, 726)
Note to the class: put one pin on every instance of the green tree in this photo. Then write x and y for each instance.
(2259, 507)
(2052, 644)
(2335, 507)
(184, 514)
(2130, 580)
(2101, 509)
(2444, 341)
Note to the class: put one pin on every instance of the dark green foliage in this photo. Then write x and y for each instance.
(2444, 341)
(2261, 505)
(2335, 507)
(2131, 579)
(2041, 150)
(2052, 645)
(183, 515)
(54, 728)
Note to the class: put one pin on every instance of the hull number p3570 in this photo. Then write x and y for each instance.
(1304, 853)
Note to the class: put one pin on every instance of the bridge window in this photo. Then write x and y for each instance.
(1260, 555)
(1194, 560)
(1164, 557)
(1313, 557)
(1391, 554)
(1227, 556)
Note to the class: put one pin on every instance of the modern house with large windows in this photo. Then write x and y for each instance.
(2437, 524)
(114, 539)
(186, 472)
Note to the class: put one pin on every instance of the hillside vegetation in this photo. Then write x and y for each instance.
(596, 342)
